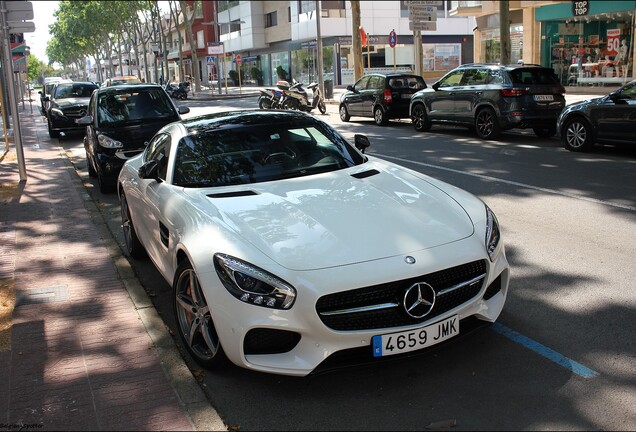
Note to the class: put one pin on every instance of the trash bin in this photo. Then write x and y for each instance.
(328, 89)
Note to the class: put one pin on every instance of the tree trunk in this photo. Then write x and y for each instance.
(358, 67)
(504, 30)
(193, 43)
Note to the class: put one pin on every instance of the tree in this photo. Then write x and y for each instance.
(187, 19)
(358, 69)
(504, 30)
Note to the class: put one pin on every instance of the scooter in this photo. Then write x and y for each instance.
(296, 98)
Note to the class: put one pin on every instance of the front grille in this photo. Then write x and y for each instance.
(75, 112)
(380, 306)
(269, 341)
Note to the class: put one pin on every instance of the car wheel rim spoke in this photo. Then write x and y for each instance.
(576, 135)
(194, 317)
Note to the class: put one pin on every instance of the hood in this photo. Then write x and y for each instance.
(135, 134)
(69, 102)
(584, 103)
(337, 219)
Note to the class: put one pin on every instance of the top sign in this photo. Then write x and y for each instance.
(424, 2)
(238, 58)
(19, 11)
(580, 7)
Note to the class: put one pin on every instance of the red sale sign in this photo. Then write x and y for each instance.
(613, 42)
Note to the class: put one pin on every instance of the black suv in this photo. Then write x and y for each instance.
(381, 97)
(492, 98)
(121, 120)
(67, 103)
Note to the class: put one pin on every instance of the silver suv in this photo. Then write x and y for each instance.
(491, 98)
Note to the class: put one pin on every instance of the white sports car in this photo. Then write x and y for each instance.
(285, 244)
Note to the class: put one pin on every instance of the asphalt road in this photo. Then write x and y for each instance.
(563, 353)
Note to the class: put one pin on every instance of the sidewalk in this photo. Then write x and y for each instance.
(81, 345)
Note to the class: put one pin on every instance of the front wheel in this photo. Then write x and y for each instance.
(194, 318)
(52, 133)
(380, 117)
(344, 114)
(322, 107)
(264, 103)
(419, 118)
(577, 135)
(545, 132)
(134, 247)
(487, 124)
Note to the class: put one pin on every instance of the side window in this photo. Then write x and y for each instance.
(159, 150)
(452, 79)
(376, 82)
(495, 77)
(362, 83)
(91, 105)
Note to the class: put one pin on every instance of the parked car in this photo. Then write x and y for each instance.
(610, 119)
(67, 103)
(118, 80)
(120, 122)
(47, 87)
(286, 245)
(380, 97)
(492, 98)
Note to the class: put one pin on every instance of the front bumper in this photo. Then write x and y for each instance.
(307, 341)
(111, 161)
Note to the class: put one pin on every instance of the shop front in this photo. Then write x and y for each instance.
(588, 42)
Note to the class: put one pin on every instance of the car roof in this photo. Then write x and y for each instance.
(502, 66)
(127, 87)
(254, 117)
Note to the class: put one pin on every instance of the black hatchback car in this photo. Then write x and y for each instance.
(491, 98)
(609, 119)
(381, 97)
(67, 103)
(120, 122)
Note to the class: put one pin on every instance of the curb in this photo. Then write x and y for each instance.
(188, 391)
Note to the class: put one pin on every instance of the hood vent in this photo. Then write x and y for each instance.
(233, 194)
(365, 174)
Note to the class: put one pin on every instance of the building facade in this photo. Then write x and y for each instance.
(586, 42)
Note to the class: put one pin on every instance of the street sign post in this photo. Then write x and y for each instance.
(392, 44)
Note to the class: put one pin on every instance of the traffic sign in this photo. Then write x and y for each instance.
(209, 60)
(423, 16)
(422, 25)
(392, 39)
(21, 27)
(19, 10)
(238, 58)
(424, 2)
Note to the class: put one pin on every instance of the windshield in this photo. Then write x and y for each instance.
(65, 91)
(242, 155)
(126, 105)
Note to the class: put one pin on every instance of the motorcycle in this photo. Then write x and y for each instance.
(178, 92)
(296, 98)
(270, 99)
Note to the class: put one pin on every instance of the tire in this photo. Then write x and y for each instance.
(344, 114)
(290, 104)
(134, 248)
(192, 314)
(545, 132)
(487, 124)
(380, 117)
(91, 171)
(52, 133)
(264, 103)
(419, 118)
(577, 135)
(322, 107)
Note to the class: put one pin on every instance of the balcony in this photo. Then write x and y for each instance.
(465, 8)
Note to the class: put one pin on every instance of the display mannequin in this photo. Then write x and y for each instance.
(622, 52)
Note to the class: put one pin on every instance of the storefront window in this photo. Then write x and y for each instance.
(280, 66)
(594, 52)
(491, 44)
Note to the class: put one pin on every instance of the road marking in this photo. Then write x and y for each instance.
(546, 352)
(513, 183)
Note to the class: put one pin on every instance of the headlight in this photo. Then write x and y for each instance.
(57, 112)
(108, 142)
(493, 236)
(253, 285)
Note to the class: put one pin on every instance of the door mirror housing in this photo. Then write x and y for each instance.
(361, 142)
(149, 170)
(183, 110)
(85, 121)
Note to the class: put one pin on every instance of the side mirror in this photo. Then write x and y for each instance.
(618, 97)
(350, 87)
(149, 170)
(435, 86)
(85, 121)
(40, 93)
(184, 110)
(361, 142)
(46, 99)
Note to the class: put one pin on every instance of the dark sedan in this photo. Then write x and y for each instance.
(121, 119)
(609, 119)
(68, 102)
